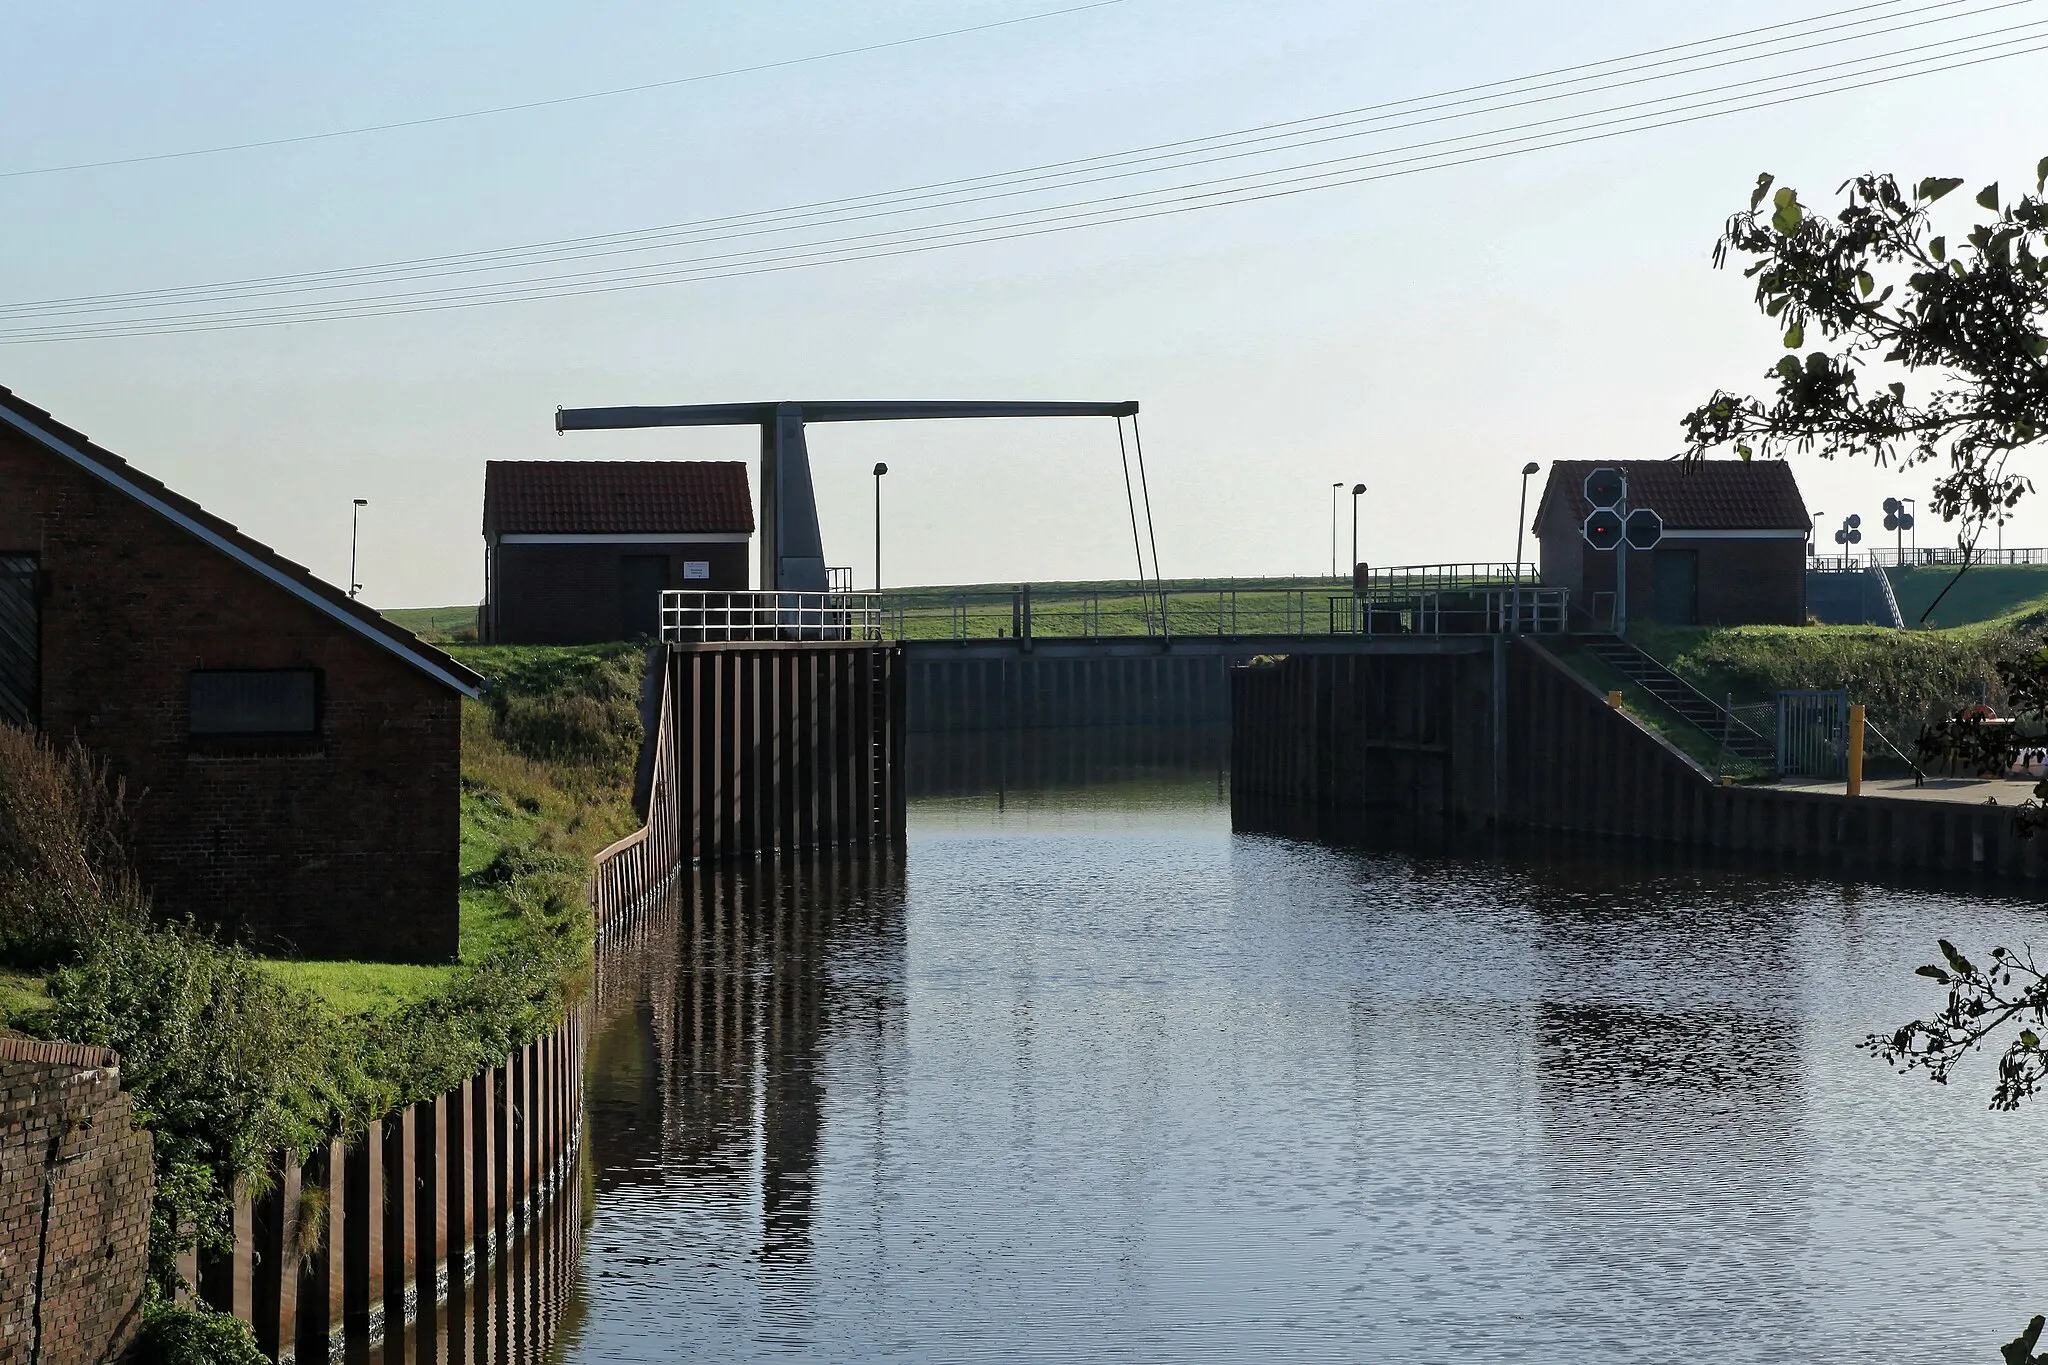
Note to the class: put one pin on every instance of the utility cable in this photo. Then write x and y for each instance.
(787, 219)
(580, 98)
(221, 294)
(908, 242)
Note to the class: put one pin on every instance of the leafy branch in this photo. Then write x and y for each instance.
(1878, 286)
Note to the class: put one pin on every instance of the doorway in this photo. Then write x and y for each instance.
(1677, 587)
(642, 580)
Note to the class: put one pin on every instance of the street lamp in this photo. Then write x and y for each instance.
(1812, 525)
(1522, 518)
(354, 517)
(1356, 489)
(1913, 530)
(880, 470)
(1335, 488)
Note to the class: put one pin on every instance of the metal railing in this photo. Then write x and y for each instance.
(1409, 578)
(1221, 613)
(1461, 611)
(1949, 556)
(713, 617)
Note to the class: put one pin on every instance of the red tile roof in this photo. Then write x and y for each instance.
(616, 497)
(37, 425)
(1702, 495)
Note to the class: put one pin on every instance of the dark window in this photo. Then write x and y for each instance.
(20, 637)
(272, 701)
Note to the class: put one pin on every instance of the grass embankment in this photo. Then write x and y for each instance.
(547, 772)
(437, 625)
(1988, 592)
(1907, 679)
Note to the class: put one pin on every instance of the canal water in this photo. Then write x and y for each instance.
(1088, 1073)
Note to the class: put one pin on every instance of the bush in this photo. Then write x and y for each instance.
(177, 1335)
(64, 878)
(1908, 679)
(227, 1066)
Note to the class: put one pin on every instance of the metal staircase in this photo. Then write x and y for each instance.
(1890, 598)
(1680, 697)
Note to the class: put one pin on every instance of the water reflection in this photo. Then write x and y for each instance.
(1103, 1070)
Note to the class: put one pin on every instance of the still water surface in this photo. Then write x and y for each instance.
(1086, 1074)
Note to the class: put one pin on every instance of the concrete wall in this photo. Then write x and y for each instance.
(570, 594)
(76, 1181)
(344, 846)
(956, 691)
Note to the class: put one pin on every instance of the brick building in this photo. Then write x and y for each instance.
(294, 757)
(579, 551)
(1733, 553)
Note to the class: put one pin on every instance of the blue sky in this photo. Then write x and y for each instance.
(1424, 335)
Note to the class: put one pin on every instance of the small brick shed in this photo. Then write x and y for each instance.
(294, 758)
(580, 551)
(1734, 548)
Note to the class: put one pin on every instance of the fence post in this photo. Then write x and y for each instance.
(1855, 754)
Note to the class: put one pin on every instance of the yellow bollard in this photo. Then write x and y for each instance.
(1856, 750)
(1614, 699)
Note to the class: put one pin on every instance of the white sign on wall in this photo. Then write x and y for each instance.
(696, 568)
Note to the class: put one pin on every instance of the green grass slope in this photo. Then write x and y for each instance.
(1986, 593)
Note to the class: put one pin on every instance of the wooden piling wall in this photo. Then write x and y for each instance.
(763, 748)
(392, 1236)
(1532, 745)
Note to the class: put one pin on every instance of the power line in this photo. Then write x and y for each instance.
(666, 235)
(930, 239)
(583, 97)
(1344, 171)
(24, 312)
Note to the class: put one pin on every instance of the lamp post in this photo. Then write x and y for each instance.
(1522, 518)
(1910, 504)
(355, 516)
(1812, 525)
(880, 470)
(1356, 489)
(1335, 489)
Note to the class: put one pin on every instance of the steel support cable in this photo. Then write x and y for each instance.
(1131, 501)
(204, 294)
(580, 98)
(657, 237)
(989, 227)
(1138, 442)
(907, 245)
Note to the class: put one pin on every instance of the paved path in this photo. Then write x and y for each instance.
(1966, 790)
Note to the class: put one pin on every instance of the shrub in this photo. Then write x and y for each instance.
(174, 1334)
(64, 877)
(227, 1066)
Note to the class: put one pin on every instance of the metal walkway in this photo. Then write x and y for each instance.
(1680, 697)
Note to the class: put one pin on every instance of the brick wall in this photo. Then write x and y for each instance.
(75, 1186)
(569, 594)
(346, 847)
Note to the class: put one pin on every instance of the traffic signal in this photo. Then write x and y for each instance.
(1604, 530)
(1606, 488)
(1643, 529)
